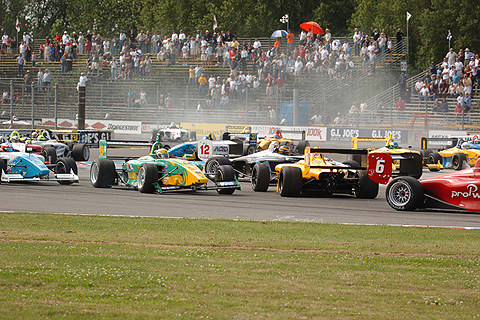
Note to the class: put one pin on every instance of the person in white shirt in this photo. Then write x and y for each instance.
(356, 42)
(82, 81)
(257, 44)
(65, 38)
(26, 38)
(181, 36)
(174, 36)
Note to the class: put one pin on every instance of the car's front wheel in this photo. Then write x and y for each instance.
(147, 177)
(405, 194)
(102, 173)
(225, 173)
(66, 165)
(260, 177)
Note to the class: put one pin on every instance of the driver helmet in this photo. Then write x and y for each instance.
(15, 139)
(465, 145)
(34, 135)
(317, 158)
(278, 134)
(274, 146)
(41, 137)
(173, 125)
(393, 145)
(211, 136)
(284, 150)
(7, 147)
(476, 140)
(161, 153)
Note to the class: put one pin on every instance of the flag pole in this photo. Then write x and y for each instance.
(407, 38)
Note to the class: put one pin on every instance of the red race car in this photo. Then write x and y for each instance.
(454, 191)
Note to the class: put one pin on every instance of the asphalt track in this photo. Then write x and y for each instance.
(82, 198)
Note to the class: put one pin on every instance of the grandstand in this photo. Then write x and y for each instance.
(325, 95)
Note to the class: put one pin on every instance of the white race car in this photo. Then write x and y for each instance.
(174, 133)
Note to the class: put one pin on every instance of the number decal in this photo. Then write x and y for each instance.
(380, 167)
(205, 149)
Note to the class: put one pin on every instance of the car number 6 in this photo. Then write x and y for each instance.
(380, 167)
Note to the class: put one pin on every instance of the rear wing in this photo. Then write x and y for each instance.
(104, 144)
(355, 140)
(379, 165)
(438, 143)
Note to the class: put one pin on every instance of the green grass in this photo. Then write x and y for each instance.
(84, 267)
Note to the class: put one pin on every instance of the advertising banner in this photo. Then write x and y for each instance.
(346, 134)
(128, 127)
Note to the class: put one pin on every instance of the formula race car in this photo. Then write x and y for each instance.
(260, 164)
(174, 133)
(465, 152)
(157, 172)
(53, 150)
(322, 176)
(263, 143)
(406, 162)
(454, 191)
(21, 166)
(231, 145)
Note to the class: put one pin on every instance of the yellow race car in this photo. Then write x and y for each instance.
(323, 176)
(466, 151)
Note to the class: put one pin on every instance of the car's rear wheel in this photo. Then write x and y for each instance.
(248, 149)
(225, 173)
(103, 173)
(405, 194)
(260, 177)
(66, 165)
(290, 182)
(212, 164)
(366, 189)
(147, 176)
(434, 158)
(458, 160)
(302, 145)
(80, 152)
(49, 154)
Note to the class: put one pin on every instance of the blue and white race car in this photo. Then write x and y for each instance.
(21, 166)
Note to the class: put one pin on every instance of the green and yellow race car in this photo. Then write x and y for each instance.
(157, 172)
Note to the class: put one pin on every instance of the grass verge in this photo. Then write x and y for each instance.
(83, 267)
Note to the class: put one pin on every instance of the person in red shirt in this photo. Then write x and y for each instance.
(58, 38)
(400, 104)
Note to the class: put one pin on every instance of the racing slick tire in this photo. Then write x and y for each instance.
(290, 182)
(366, 189)
(225, 173)
(147, 176)
(405, 194)
(458, 160)
(212, 164)
(80, 152)
(65, 165)
(426, 153)
(249, 149)
(70, 145)
(103, 173)
(3, 167)
(260, 177)
(302, 145)
(49, 154)
(434, 158)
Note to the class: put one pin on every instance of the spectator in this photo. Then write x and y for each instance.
(82, 81)
(46, 79)
(20, 63)
(202, 81)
